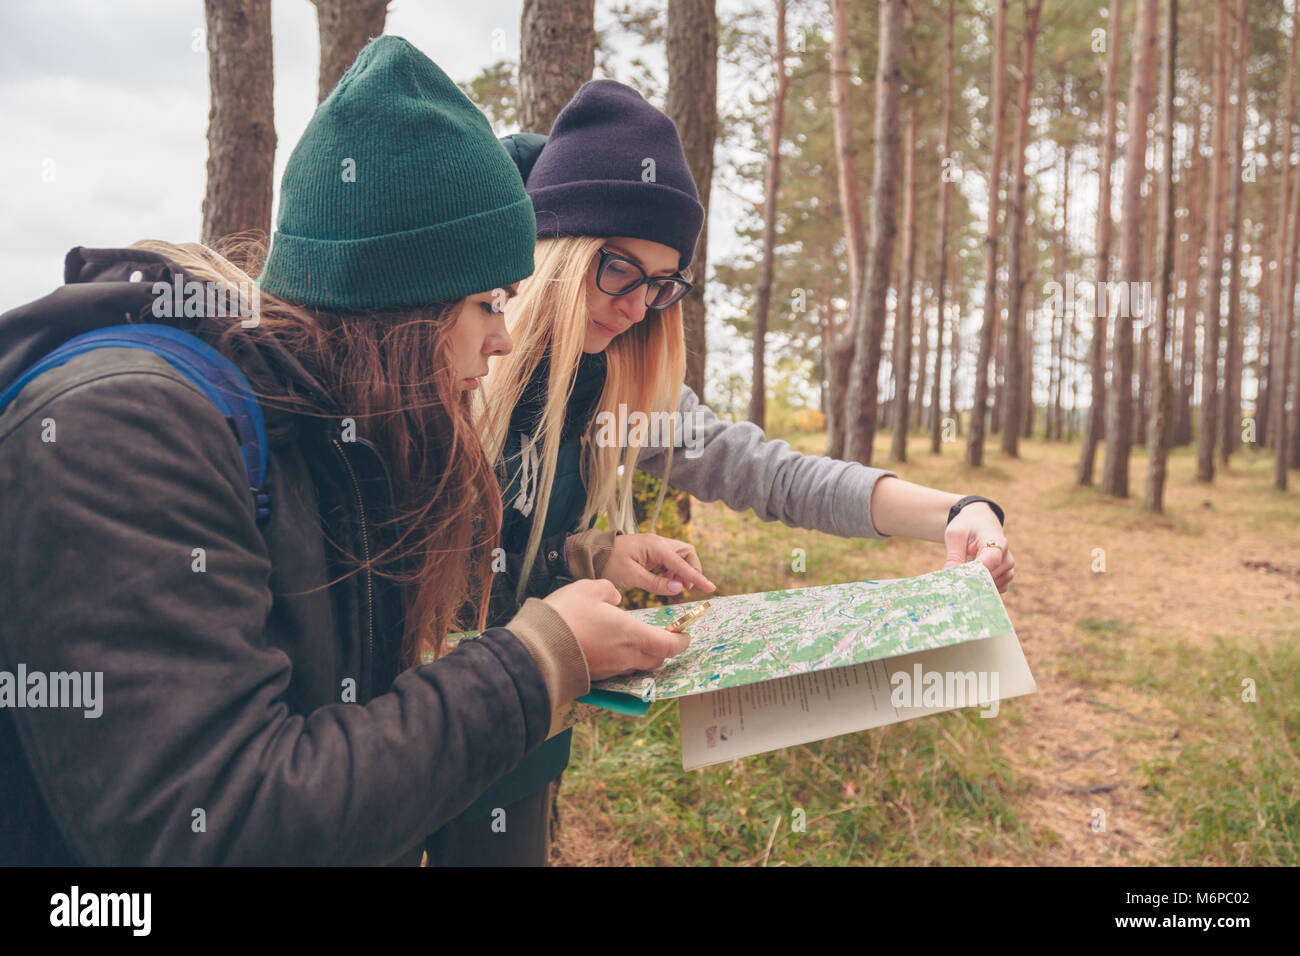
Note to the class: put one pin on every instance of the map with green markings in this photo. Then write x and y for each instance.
(748, 638)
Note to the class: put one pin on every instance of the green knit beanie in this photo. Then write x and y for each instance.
(398, 194)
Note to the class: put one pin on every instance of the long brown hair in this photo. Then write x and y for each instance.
(394, 374)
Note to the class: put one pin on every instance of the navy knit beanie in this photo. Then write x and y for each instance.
(614, 166)
(398, 195)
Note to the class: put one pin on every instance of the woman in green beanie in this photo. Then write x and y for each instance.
(253, 661)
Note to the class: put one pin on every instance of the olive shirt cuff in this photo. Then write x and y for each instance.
(589, 552)
(558, 655)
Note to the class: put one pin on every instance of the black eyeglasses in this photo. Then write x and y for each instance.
(618, 275)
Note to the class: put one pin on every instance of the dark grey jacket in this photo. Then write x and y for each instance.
(224, 736)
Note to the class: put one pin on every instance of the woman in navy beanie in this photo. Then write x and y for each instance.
(599, 350)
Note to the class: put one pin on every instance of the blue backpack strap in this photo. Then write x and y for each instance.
(211, 372)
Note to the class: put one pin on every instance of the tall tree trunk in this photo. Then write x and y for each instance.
(1230, 414)
(889, 355)
(1265, 288)
(851, 205)
(1144, 360)
(922, 324)
(1069, 348)
(1055, 367)
(1280, 232)
(1186, 380)
(1119, 400)
(954, 352)
(762, 308)
(241, 122)
(693, 105)
(1293, 374)
(869, 322)
(1287, 378)
(1101, 313)
(903, 321)
(1000, 350)
(1030, 340)
(829, 263)
(1162, 399)
(1142, 401)
(1219, 173)
(344, 27)
(557, 52)
(1285, 297)
(1014, 375)
(1291, 381)
(1064, 331)
(1145, 331)
(1056, 331)
(988, 331)
(999, 367)
(941, 256)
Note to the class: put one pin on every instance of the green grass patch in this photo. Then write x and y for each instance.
(1099, 653)
(1232, 796)
(924, 792)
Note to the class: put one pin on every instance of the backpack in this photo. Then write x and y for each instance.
(211, 372)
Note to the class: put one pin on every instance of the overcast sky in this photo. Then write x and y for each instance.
(105, 108)
(105, 111)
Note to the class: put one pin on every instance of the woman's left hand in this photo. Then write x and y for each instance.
(637, 556)
(977, 533)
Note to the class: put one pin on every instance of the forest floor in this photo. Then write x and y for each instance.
(1166, 649)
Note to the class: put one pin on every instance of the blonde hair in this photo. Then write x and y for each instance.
(645, 369)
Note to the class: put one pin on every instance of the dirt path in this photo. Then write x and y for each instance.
(1182, 577)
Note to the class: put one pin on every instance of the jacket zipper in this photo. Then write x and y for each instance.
(365, 547)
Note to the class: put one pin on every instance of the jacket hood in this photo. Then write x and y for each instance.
(104, 287)
(524, 148)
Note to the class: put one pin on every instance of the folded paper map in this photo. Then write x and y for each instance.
(778, 668)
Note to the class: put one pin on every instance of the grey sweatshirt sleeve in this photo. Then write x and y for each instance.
(735, 462)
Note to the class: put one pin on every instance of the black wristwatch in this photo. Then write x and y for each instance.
(971, 499)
